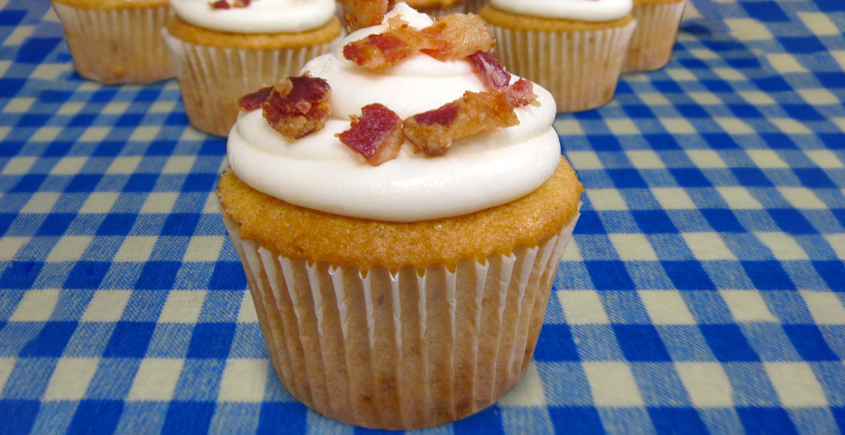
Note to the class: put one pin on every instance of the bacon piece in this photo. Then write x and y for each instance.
(376, 135)
(456, 36)
(451, 37)
(496, 78)
(492, 73)
(434, 131)
(382, 50)
(253, 101)
(521, 93)
(242, 3)
(298, 106)
(219, 4)
(365, 13)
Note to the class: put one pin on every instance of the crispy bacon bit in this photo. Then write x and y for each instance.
(492, 73)
(253, 101)
(382, 50)
(433, 132)
(456, 36)
(521, 93)
(376, 135)
(219, 4)
(365, 13)
(496, 78)
(298, 106)
(451, 37)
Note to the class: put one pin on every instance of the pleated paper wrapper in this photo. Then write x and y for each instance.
(579, 68)
(121, 45)
(213, 79)
(654, 38)
(404, 349)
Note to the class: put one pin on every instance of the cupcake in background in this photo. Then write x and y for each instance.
(573, 48)
(227, 48)
(116, 41)
(657, 26)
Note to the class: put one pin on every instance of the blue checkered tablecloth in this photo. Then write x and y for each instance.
(702, 291)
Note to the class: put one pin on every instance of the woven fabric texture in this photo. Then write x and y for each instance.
(702, 292)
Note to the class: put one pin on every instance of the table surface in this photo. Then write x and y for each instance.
(702, 291)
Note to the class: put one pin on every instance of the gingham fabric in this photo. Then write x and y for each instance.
(702, 292)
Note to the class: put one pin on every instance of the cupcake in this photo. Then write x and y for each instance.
(657, 26)
(573, 48)
(227, 48)
(408, 291)
(116, 41)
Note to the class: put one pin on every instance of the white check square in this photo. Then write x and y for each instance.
(613, 384)
(666, 307)
(244, 380)
(70, 379)
(582, 307)
(796, 385)
(706, 383)
(156, 380)
(747, 306)
(36, 306)
(106, 306)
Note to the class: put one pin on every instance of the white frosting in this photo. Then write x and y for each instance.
(581, 10)
(321, 173)
(261, 16)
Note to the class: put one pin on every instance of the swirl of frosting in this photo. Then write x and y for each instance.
(581, 10)
(261, 16)
(321, 173)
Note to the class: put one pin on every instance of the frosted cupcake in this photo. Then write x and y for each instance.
(224, 50)
(573, 48)
(116, 41)
(407, 292)
(657, 26)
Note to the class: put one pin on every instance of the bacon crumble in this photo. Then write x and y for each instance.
(492, 73)
(297, 106)
(521, 93)
(434, 131)
(365, 13)
(376, 135)
(451, 37)
(382, 50)
(456, 36)
(253, 101)
(496, 78)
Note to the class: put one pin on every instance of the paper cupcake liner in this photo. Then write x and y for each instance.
(401, 350)
(212, 79)
(654, 38)
(579, 68)
(473, 6)
(117, 45)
